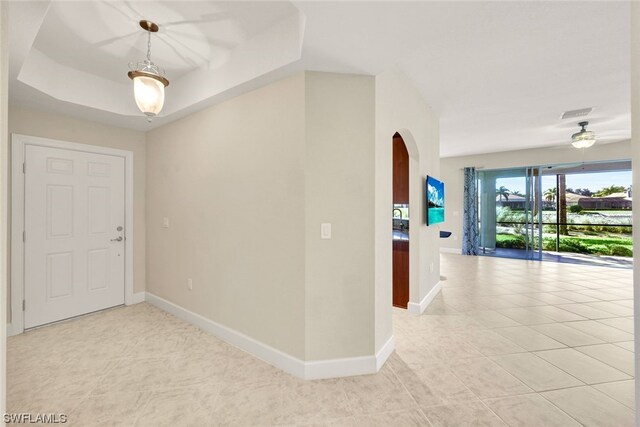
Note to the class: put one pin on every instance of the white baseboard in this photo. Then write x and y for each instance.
(315, 369)
(12, 330)
(138, 297)
(451, 251)
(385, 351)
(415, 308)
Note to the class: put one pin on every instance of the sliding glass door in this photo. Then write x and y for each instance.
(509, 213)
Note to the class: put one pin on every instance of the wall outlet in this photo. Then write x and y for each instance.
(190, 284)
(431, 267)
(165, 222)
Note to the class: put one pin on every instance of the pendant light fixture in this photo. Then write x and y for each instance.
(585, 138)
(148, 80)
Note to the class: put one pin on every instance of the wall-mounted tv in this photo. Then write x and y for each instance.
(435, 201)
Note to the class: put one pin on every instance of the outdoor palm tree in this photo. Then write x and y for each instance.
(503, 192)
(610, 190)
(550, 194)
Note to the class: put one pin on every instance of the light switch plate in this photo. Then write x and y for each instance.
(165, 222)
(325, 230)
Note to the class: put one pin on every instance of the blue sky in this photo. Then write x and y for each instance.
(592, 181)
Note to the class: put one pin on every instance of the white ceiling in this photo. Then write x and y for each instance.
(499, 74)
(192, 35)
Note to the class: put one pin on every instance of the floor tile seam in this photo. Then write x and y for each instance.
(603, 324)
(615, 327)
(597, 360)
(412, 396)
(547, 400)
(499, 367)
(612, 397)
(557, 367)
(577, 330)
(595, 389)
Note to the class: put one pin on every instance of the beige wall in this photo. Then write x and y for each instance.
(231, 180)
(47, 125)
(635, 149)
(453, 177)
(401, 108)
(339, 187)
(4, 201)
(246, 185)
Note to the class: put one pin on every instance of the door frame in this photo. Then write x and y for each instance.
(18, 145)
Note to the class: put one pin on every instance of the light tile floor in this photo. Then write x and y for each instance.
(507, 342)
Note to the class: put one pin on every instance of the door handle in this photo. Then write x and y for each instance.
(118, 239)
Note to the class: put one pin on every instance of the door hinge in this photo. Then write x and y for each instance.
(24, 237)
(24, 305)
(24, 167)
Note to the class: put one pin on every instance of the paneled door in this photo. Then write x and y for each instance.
(74, 233)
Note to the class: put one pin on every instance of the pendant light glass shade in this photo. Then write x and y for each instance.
(148, 79)
(149, 95)
(583, 139)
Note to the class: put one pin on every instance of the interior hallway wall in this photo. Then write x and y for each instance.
(246, 185)
(339, 189)
(452, 174)
(401, 108)
(231, 181)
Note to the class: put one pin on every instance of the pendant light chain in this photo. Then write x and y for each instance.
(149, 46)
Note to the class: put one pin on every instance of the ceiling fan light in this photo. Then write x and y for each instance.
(583, 139)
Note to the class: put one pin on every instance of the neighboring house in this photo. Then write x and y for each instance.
(612, 201)
(573, 199)
(518, 202)
(514, 201)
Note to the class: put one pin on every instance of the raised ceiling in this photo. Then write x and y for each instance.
(499, 74)
(79, 53)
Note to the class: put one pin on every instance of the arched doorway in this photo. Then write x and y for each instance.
(400, 223)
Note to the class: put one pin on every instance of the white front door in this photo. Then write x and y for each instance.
(74, 233)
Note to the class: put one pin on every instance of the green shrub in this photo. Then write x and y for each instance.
(621, 250)
(575, 209)
(570, 245)
(549, 244)
(508, 241)
(599, 249)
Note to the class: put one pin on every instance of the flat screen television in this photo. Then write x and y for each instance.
(435, 201)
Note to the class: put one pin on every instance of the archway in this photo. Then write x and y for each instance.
(400, 223)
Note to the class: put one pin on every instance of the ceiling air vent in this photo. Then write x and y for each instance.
(576, 113)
